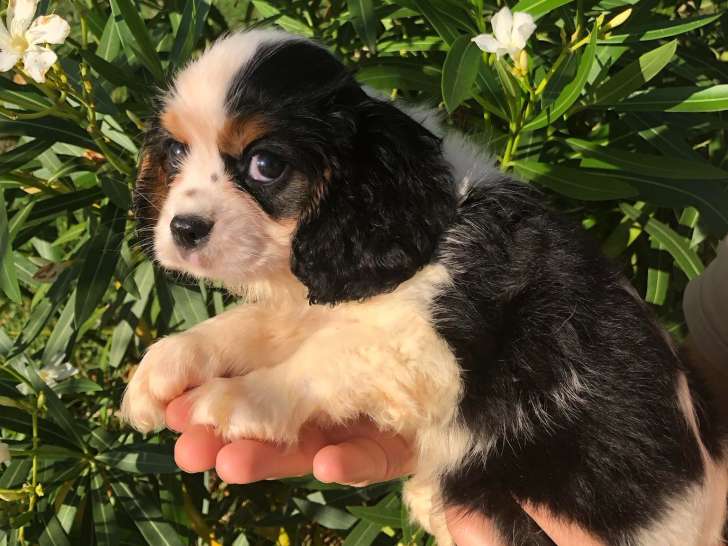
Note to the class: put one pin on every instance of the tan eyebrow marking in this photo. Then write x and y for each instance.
(237, 134)
(171, 122)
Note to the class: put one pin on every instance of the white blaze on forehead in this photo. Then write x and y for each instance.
(197, 101)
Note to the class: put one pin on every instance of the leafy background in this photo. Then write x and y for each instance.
(621, 121)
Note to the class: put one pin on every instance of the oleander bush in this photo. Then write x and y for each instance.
(616, 109)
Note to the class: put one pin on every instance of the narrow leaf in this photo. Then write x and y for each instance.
(190, 29)
(574, 183)
(678, 99)
(137, 39)
(636, 74)
(459, 72)
(365, 21)
(105, 527)
(146, 515)
(539, 8)
(678, 247)
(101, 256)
(17, 157)
(141, 458)
(657, 31)
(641, 163)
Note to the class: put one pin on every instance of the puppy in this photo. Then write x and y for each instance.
(393, 272)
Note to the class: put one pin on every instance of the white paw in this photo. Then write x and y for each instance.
(170, 367)
(250, 406)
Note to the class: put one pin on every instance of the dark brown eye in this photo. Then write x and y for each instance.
(176, 151)
(266, 167)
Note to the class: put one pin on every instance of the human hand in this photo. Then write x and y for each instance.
(357, 454)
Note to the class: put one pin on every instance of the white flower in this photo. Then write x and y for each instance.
(52, 374)
(4, 453)
(512, 31)
(23, 37)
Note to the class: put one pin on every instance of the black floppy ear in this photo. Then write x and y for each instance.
(387, 199)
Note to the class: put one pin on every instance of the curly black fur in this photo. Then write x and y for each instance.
(569, 383)
(385, 193)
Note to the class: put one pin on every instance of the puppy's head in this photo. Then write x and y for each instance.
(267, 158)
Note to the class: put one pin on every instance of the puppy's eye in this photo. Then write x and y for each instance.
(266, 167)
(175, 153)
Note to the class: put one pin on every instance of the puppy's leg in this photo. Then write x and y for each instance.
(329, 374)
(229, 344)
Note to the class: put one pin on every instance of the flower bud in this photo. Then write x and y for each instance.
(523, 62)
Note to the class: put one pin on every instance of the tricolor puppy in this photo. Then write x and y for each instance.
(393, 272)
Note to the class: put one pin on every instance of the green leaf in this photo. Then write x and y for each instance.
(77, 385)
(641, 163)
(657, 31)
(459, 72)
(15, 474)
(286, 22)
(190, 29)
(51, 207)
(8, 278)
(365, 21)
(539, 8)
(327, 516)
(571, 91)
(678, 99)
(114, 74)
(101, 256)
(109, 44)
(189, 307)
(382, 516)
(116, 190)
(707, 195)
(141, 458)
(17, 157)
(444, 28)
(663, 138)
(22, 96)
(105, 526)
(401, 76)
(407, 45)
(366, 532)
(634, 75)
(124, 331)
(658, 275)
(53, 533)
(574, 183)
(48, 128)
(135, 38)
(145, 514)
(492, 98)
(62, 333)
(678, 247)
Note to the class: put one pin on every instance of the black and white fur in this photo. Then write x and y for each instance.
(391, 271)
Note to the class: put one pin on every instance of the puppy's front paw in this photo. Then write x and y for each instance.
(249, 406)
(170, 367)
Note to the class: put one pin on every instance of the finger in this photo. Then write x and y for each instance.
(561, 532)
(196, 449)
(360, 461)
(247, 461)
(471, 529)
(177, 413)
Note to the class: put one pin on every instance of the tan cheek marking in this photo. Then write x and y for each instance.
(237, 135)
(152, 183)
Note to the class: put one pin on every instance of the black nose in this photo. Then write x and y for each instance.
(190, 231)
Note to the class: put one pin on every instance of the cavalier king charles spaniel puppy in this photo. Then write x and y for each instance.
(390, 270)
